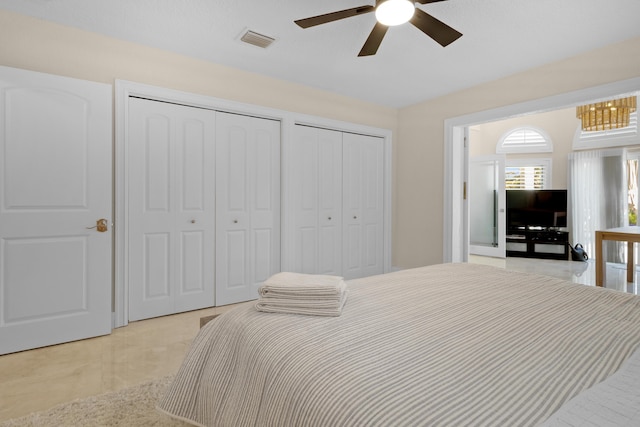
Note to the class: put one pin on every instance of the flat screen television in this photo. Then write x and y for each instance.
(545, 209)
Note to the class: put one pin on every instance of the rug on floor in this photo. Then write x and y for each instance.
(133, 406)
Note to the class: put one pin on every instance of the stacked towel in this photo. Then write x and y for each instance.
(296, 293)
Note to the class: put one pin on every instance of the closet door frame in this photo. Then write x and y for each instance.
(126, 89)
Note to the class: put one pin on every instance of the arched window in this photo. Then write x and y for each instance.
(525, 140)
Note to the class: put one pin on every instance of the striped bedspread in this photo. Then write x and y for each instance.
(445, 345)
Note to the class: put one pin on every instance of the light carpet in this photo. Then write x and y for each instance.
(133, 406)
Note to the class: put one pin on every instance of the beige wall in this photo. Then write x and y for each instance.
(560, 125)
(420, 150)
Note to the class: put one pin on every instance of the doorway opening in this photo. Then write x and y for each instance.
(456, 206)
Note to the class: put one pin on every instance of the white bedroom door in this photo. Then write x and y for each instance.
(317, 200)
(56, 145)
(247, 205)
(363, 205)
(487, 221)
(171, 208)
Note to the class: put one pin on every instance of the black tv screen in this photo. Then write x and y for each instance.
(536, 208)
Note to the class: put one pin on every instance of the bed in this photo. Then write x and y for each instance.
(444, 345)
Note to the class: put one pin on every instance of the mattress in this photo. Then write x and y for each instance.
(450, 344)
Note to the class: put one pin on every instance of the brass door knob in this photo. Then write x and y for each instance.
(101, 225)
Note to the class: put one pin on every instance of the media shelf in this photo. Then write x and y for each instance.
(546, 244)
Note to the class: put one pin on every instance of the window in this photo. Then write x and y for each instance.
(527, 174)
(525, 140)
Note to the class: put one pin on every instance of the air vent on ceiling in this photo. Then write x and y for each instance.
(257, 39)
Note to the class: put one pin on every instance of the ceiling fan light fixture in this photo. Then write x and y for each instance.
(394, 12)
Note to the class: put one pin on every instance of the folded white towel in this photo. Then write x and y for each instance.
(298, 293)
(308, 307)
(299, 285)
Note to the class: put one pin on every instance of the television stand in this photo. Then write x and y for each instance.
(543, 244)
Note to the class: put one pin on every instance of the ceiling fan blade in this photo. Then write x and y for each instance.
(333, 16)
(373, 41)
(434, 28)
(428, 1)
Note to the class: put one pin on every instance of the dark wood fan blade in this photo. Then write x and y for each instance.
(434, 28)
(373, 41)
(333, 16)
(428, 1)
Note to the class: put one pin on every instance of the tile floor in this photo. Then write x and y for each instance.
(39, 379)
(578, 272)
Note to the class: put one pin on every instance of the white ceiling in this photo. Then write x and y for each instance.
(501, 37)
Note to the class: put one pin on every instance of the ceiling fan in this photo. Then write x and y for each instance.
(390, 13)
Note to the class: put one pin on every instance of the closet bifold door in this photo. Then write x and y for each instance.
(317, 200)
(247, 205)
(170, 208)
(363, 205)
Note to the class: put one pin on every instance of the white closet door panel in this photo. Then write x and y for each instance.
(307, 258)
(266, 171)
(329, 170)
(232, 217)
(247, 205)
(265, 206)
(193, 155)
(232, 164)
(194, 279)
(330, 202)
(233, 264)
(330, 249)
(305, 190)
(307, 174)
(263, 247)
(363, 199)
(156, 155)
(191, 262)
(317, 191)
(353, 251)
(373, 206)
(352, 179)
(55, 140)
(157, 260)
(352, 202)
(231, 260)
(171, 208)
(151, 216)
(194, 239)
(372, 247)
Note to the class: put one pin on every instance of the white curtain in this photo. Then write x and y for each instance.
(598, 198)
